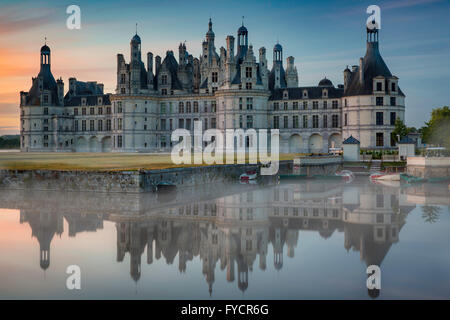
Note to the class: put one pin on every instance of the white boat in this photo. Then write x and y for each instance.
(346, 175)
(249, 175)
(384, 176)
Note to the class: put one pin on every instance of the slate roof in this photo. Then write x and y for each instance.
(351, 140)
(313, 93)
(91, 100)
(170, 64)
(48, 83)
(373, 65)
(406, 140)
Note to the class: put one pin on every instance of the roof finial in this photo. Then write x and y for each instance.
(45, 41)
(136, 27)
(242, 20)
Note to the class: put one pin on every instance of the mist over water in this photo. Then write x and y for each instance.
(296, 240)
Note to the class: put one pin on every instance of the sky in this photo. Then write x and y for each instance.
(324, 37)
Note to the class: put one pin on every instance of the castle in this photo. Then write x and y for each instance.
(229, 89)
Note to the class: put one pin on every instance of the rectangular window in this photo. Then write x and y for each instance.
(379, 86)
(188, 107)
(345, 119)
(249, 121)
(379, 101)
(181, 107)
(295, 105)
(285, 105)
(334, 104)
(195, 106)
(91, 111)
(83, 125)
(325, 104)
(76, 125)
(393, 87)
(164, 79)
(213, 123)
(325, 121)
(100, 110)
(214, 77)
(335, 121)
(75, 111)
(163, 124)
(122, 78)
(108, 125)
(276, 122)
(181, 123)
(170, 124)
(248, 72)
(119, 142)
(295, 122)
(315, 105)
(100, 125)
(315, 119)
(164, 92)
(83, 111)
(108, 110)
(393, 101)
(276, 106)
(305, 105)
(91, 125)
(119, 124)
(249, 103)
(162, 108)
(213, 106)
(285, 122)
(379, 118)
(248, 86)
(305, 121)
(188, 124)
(393, 118)
(380, 139)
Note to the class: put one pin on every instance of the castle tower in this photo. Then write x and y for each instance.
(291, 73)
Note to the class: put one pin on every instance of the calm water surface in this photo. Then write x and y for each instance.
(297, 240)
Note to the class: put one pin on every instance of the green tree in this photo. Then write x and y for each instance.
(437, 130)
(400, 130)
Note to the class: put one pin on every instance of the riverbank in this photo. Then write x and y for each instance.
(95, 161)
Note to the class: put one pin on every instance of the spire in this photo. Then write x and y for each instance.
(136, 28)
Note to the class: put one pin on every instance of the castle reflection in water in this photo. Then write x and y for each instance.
(227, 227)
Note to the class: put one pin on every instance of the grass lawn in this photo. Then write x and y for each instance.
(92, 161)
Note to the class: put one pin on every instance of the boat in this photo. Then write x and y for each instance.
(411, 179)
(346, 175)
(248, 175)
(164, 186)
(385, 176)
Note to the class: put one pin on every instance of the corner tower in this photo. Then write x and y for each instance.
(372, 99)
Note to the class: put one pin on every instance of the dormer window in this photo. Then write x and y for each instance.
(248, 72)
(45, 98)
(83, 101)
(248, 86)
(214, 77)
(305, 93)
(379, 86)
(99, 101)
(164, 79)
(285, 94)
(324, 93)
(393, 87)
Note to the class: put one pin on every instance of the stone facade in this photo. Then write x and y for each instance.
(229, 89)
